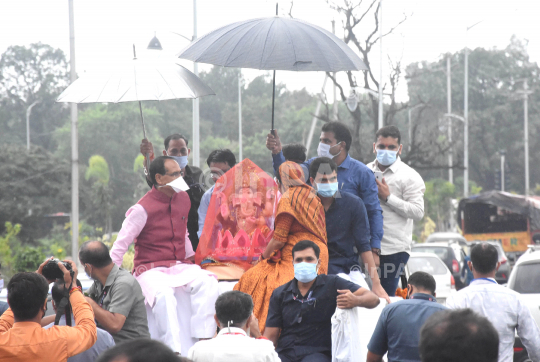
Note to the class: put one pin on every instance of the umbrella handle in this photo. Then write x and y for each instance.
(273, 97)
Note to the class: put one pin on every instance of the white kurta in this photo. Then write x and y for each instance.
(179, 300)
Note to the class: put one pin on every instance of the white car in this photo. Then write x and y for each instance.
(432, 264)
(525, 279)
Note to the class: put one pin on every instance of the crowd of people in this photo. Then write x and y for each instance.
(254, 267)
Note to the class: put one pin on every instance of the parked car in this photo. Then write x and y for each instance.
(503, 273)
(450, 237)
(432, 264)
(525, 279)
(452, 255)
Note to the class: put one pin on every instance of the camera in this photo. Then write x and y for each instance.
(52, 271)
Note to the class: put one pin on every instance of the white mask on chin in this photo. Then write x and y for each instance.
(178, 185)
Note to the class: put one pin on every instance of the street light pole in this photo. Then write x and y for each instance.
(503, 154)
(449, 111)
(240, 115)
(28, 111)
(74, 145)
(196, 135)
(526, 93)
(335, 106)
(381, 120)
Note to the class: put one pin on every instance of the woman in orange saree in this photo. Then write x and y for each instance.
(300, 216)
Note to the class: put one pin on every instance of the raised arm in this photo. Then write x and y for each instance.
(369, 193)
(412, 204)
(131, 228)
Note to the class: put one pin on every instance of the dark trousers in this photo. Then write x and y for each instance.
(390, 269)
(315, 357)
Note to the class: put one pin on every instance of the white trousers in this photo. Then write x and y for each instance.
(182, 315)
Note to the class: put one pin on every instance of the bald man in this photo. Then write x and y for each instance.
(116, 296)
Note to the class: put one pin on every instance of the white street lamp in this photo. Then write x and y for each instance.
(28, 112)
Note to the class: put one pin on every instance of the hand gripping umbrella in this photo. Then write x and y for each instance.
(139, 80)
(274, 44)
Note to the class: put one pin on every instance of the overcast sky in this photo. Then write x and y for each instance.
(106, 29)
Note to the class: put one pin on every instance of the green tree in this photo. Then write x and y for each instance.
(102, 196)
(37, 72)
(28, 259)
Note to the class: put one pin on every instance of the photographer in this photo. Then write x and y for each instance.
(21, 335)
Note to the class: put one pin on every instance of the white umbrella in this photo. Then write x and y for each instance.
(274, 44)
(138, 80)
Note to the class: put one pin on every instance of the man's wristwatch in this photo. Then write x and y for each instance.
(376, 251)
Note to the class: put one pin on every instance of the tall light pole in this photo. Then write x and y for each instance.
(503, 154)
(240, 115)
(466, 116)
(525, 92)
(449, 111)
(410, 125)
(28, 112)
(381, 121)
(74, 145)
(196, 135)
(335, 106)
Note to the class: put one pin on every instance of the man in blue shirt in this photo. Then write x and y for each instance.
(347, 227)
(353, 176)
(300, 311)
(398, 329)
(219, 161)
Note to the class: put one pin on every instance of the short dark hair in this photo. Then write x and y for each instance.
(175, 136)
(306, 244)
(389, 131)
(221, 156)
(341, 132)
(484, 258)
(58, 288)
(140, 350)
(158, 166)
(27, 293)
(295, 152)
(95, 253)
(234, 306)
(458, 335)
(423, 281)
(319, 166)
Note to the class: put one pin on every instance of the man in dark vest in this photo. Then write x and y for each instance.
(179, 295)
(176, 146)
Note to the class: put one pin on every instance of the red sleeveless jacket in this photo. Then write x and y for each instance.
(162, 241)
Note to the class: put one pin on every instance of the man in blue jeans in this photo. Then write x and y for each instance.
(401, 193)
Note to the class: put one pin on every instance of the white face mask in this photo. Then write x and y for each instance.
(324, 150)
(178, 185)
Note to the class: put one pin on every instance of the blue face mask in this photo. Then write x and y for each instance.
(305, 272)
(181, 160)
(327, 190)
(386, 157)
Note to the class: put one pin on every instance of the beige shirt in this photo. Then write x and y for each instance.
(404, 205)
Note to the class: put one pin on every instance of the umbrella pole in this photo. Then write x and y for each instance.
(273, 98)
(144, 134)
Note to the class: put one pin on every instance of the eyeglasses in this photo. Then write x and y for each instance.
(175, 174)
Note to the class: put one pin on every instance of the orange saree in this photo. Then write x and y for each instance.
(300, 216)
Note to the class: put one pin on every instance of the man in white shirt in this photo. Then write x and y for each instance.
(502, 306)
(401, 193)
(234, 316)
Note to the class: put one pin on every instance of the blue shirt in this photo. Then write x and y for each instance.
(347, 226)
(203, 209)
(104, 341)
(358, 179)
(306, 327)
(398, 329)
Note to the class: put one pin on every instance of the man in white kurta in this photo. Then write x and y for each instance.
(179, 296)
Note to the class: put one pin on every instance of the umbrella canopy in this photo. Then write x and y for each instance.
(138, 80)
(274, 44)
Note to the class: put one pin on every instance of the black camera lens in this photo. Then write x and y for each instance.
(52, 271)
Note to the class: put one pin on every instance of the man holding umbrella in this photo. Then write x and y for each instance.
(176, 146)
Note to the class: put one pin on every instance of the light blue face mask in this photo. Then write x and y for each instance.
(181, 160)
(305, 272)
(386, 157)
(327, 190)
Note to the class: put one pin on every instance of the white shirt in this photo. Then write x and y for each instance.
(404, 205)
(505, 310)
(234, 346)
